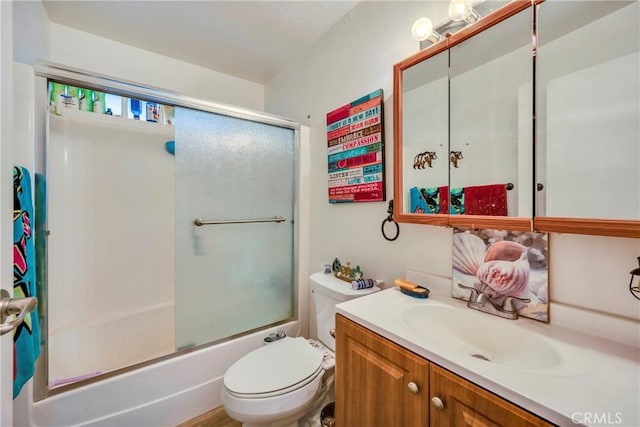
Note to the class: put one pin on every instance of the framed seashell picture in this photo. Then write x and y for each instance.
(503, 263)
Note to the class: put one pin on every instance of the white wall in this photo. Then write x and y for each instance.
(357, 56)
(353, 59)
(30, 32)
(6, 200)
(86, 51)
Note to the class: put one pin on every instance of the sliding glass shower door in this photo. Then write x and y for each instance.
(234, 273)
(129, 276)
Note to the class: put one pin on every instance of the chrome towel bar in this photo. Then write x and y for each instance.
(200, 222)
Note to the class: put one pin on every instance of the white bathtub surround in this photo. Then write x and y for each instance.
(108, 309)
(163, 394)
(88, 348)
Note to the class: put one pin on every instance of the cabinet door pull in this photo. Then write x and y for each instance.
(437, 403)
(413, 387)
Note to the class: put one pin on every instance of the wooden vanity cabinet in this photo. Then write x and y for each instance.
(378, 383)
(465, 404)
(373, 388)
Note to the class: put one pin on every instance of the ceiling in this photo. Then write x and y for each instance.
(252, 40)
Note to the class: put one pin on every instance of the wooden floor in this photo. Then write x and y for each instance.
(214, 418)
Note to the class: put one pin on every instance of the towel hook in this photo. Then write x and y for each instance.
(389, 218)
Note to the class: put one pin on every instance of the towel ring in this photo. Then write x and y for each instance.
(389, 218)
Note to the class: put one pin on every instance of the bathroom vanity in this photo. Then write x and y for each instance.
(382, 383)
(408, 362)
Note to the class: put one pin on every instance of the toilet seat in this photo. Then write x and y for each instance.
(275, 369)
(279, 392)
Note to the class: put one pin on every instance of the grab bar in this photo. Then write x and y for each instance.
(200, 222)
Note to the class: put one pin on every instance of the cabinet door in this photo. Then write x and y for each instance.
(378, 383)
(490, 125)
(465, 404)
(463, 118)
(588, 118)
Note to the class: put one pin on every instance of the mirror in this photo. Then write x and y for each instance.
(588, 118)
(463, 140)
(425, 135)
(491, 161)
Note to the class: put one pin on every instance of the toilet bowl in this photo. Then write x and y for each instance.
(277, 385)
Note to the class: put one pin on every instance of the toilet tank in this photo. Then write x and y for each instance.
(328, 291)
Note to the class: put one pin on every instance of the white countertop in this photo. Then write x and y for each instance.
(597, 384)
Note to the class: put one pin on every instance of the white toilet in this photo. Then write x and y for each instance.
(277, 384)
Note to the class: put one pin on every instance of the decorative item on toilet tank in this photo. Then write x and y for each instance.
(502, 263)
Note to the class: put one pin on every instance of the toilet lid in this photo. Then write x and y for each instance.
(273, 367)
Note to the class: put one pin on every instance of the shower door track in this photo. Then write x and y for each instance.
(130, 89)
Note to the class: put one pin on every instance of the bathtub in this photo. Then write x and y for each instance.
(162, 394)
(89, 348)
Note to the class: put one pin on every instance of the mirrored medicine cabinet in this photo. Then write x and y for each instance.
(588, 117)
(467, 150)
(462, 155)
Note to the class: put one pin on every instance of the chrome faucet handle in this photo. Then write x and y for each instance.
(476, 296)
(474, 291)
(461, 286)
(508, 305)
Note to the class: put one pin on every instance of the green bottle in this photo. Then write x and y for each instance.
(86, 99)
(99, 102)
(56, 98)
(72, 97)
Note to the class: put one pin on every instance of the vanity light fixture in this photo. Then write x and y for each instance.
(461, 14)
(460, 10)
(422, 30)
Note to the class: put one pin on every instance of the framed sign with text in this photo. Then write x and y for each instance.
(355, 149)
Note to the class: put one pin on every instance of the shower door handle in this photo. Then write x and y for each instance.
(10, 306)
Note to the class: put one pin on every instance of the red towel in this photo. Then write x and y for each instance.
(444, 200)
(486, 200)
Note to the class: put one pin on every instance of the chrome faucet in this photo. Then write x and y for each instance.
(478, 301)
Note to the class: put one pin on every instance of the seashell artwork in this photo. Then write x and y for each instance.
(503, 263)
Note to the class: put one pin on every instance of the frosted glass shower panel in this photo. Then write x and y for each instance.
(232, 278)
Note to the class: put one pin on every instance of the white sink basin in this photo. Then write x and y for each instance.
(482, 336)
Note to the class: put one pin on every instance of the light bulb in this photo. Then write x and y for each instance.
(459, 10)
(422, 29)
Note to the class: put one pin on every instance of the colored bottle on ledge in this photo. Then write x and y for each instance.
(136, 108)
(99, 102)
(85, 99)
(153, 112)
